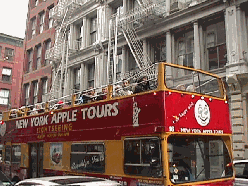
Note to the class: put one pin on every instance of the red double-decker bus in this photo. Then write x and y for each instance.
(176, 133)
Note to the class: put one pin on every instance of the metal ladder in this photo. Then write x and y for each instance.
(61, 49)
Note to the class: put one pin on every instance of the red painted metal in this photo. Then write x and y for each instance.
(157, 113)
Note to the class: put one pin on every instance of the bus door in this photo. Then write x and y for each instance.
(36, 160)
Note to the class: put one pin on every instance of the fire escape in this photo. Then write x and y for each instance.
(58, 54)
(128, 23)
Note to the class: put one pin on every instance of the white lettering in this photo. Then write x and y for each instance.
(115, 109)
(83, 111)
(98, 114)
(108, 108)
(91, 112)
(100, 111)
(73, 117)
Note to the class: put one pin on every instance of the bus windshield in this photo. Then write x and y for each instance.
(193, 81)
(198, 158)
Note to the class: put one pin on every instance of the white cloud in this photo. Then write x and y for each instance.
(13, 15)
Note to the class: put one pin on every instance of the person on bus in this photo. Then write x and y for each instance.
(142, 85)
(103, 94)
(126, 88)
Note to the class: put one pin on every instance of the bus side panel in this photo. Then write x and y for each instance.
(46, 156)
(114, 158)
(66, 156)
(24, 155)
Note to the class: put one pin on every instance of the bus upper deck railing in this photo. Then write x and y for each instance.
(160, 76)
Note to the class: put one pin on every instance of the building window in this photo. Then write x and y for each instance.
(6, 74)
(36, 2)
(4, 96)
(50, 23)
(44, 90)
(185, 49)
(30, 60)
(91, 74)
(160, 49)
(0, 52)
(1, 116)
(88, 152)
(77, 77)
(38, 57)
(42, 22)
(143, 157)
(35, 97)
(9, 54)
(33, 27)
(216, 45)
(47, 47)
(27, 90)
(93, 30)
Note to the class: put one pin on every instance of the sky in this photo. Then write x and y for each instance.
(13, 14)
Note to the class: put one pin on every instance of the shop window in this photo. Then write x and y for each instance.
(142, 157)
(88, 157)
(6, 74)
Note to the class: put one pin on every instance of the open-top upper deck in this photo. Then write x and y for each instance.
(179, 100)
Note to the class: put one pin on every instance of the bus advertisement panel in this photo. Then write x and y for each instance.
(164, 136)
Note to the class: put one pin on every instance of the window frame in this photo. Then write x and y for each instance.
(4, 97)
(33, 27)
(42, 22)
(185, 37)
(50, 19)
(35, 92)
(93, 30)
(5, 76)
(48, 46)
(77, 78)
(30, 54)
(86, 151)
(216, 45)
(38, 56)
(9, 54)
(27, 93)
(142, 163)
(91, 78)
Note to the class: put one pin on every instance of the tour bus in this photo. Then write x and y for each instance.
(177, 131)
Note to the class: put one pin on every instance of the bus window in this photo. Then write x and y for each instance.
(198, 158)
(143, 157)
(16, 153)
(88, 157)
(7, 153)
